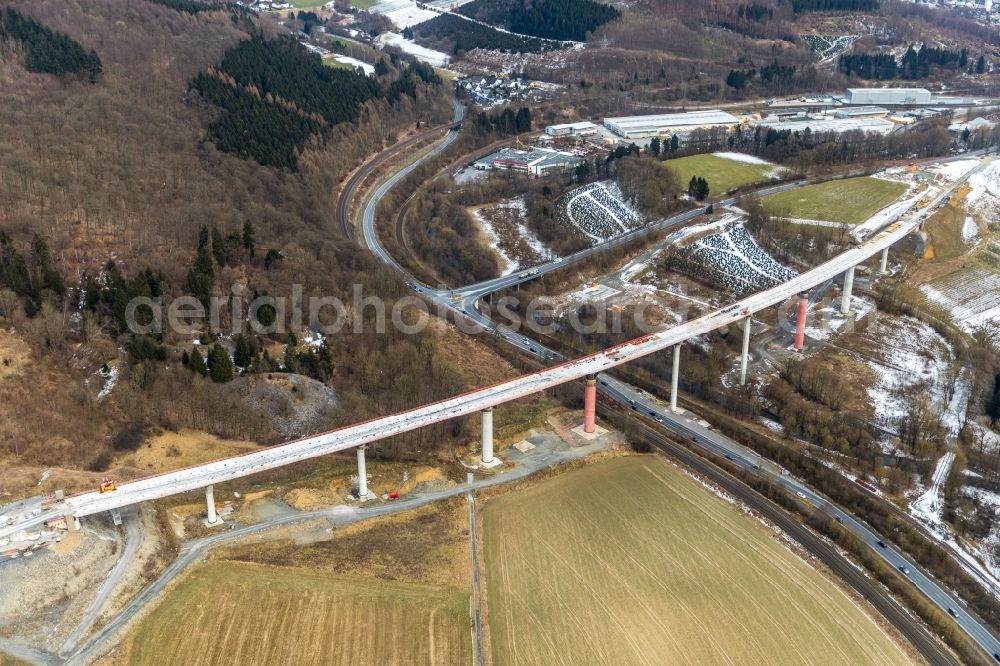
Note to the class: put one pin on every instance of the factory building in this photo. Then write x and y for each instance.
(536, 161)
(644, 127)
(887, 96)
(836, 125)
(572, 129)
(862, 112)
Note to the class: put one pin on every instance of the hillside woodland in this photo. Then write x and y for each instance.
(120, 176)
(667, 52)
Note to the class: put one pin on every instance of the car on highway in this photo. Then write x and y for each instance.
(730, 458)
(951, 611)
(881, 544)
(904, 569)
(658, 418)
(604, 382)
(800, 494)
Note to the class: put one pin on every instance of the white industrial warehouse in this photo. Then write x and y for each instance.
(887, 96)
(828, 124)
(644, 127)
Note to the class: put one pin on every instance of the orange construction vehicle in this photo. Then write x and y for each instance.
(107, 485)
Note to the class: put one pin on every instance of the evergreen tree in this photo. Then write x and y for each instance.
(185, 358)
(654, 146)
(203, 238)
(245, 351)
(220, 366)
(218, 247)
(981, 65)
(522, 121)
(702, 189)
(675, 143)
(248, 238)
(271, 257)
(197, 363)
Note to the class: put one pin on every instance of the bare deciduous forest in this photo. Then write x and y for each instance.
(121, 169)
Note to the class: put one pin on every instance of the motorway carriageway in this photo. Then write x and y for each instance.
(200, 476)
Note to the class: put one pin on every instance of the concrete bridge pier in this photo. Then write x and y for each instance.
(74, 523)
(210, 501)
(590, 404)
(362, 474)
(745, 358)
(884, 265)
(845, 295)
(674, 376)
(487, 453)
(800, 323)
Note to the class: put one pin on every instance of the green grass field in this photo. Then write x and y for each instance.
(851, 201)
(721, 173)
(330, 61)
(630, 561)
(237, 613)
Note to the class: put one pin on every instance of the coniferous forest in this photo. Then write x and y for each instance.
(46, 51)
(916, 63)
(276, 95)
(186, 6)
(800, 6)
(549, 19)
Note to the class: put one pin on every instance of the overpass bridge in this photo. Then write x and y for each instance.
(358, 435)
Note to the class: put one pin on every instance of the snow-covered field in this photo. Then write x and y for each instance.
(970, 230)
(511, 263)
(985, 193)
(972, 296)
(599, 210)
(696, 229)
(732, 258)
(404, 13)
(354, 62)
(988, 549)
(952, 171)
(913, 357)
(430, 56)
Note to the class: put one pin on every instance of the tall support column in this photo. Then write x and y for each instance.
(674, 376)
(487, 456)
(362, 474)
(74, 523)
(800, 323)
(210, 501)
(744, 359)
(590, 405)
(884, 266)
(845, 295)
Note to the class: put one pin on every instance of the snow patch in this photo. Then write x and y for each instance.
(430, 56)
(741, 157)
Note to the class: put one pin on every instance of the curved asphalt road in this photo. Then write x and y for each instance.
(463, 301)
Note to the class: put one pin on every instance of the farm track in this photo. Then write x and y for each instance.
(886, 605)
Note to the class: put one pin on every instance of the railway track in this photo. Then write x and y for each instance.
(348, 192)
